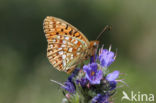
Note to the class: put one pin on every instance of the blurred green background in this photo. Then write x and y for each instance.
(25, 72)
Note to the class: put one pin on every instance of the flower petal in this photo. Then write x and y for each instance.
(106, 58)
(69, 86)
(112, 76)
(100, 99)
(94, 67)
(92, 73)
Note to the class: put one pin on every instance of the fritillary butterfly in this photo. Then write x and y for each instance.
(67, 46)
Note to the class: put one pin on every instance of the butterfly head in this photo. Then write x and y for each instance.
(93, 47)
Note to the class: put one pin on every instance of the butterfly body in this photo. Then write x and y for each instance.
(67, 46)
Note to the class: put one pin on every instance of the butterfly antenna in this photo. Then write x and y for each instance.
(105, 28)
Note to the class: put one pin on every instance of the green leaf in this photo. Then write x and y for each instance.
(75, 98)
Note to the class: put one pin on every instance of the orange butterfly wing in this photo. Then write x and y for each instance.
(66, 44)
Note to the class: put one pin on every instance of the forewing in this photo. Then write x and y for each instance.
(66, 45)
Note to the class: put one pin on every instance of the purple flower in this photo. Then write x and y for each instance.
(82, 81)
(69, 86)
(92, 73)
(106, 57)
(112, 85)
(100, 99)
(112, 76)
(74, 73)
(93, 58)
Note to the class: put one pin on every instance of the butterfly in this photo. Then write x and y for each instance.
(67, 46)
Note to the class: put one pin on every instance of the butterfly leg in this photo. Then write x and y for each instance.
(81, 65)
(74, 66)
(69, 71)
